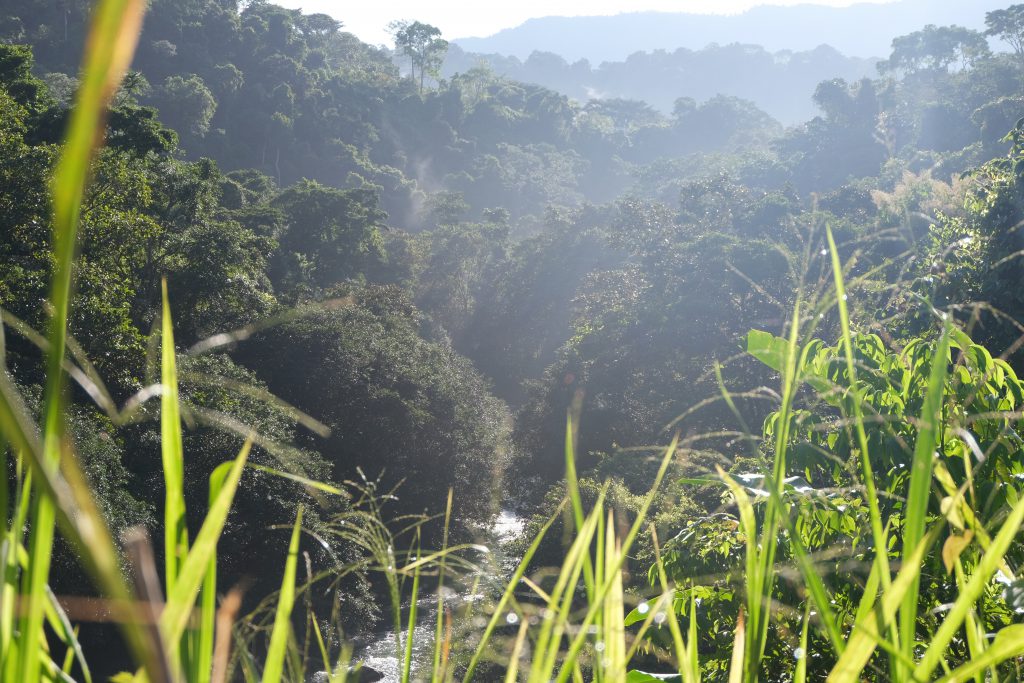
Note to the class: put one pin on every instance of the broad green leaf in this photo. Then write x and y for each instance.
(767, 348)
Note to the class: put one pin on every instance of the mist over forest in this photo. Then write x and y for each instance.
(775, 287)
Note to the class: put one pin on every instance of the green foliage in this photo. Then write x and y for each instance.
(434, 424)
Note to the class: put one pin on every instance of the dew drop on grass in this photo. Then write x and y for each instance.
(798, 653)
(512, 618)
(643, 608)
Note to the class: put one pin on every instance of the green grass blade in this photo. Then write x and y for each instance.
(595, 604)
(512, 672)
(868, 475)
(1008, 643)
(193, 570)
(203, 668)
(410, 631)
(867, 632)
(559, 604)
(573, 488)
(305, 481)
(916, 510)
(172, 454)
(273, 670)
(109, 49)
(80, 520)
(971, 593)
(800, 675)
(67, 634)
(438, 673)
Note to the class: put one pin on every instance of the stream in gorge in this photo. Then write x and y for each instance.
(379, 653)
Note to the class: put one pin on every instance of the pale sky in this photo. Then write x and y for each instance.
(462, 19)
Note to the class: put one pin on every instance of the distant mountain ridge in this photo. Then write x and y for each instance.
(781, 83)
(861, 30)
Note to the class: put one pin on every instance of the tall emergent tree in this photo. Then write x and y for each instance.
(422, 44)
(1007, 25)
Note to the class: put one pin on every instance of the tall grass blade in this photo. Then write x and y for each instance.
(81, 523)
(193, 570)
(1008, 644)
(439, 665)
(172, 454)
(686, 655)
(109, 49)
(739, 658)
(273, 670)
(971, 592)
(916, 510)
(867, 636)
(203, 669)
(800, 675)
(855, 408)
(506, 597)
(596, 602)
(512, 671)
(410, 631)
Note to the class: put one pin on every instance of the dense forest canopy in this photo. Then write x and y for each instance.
(434, 256)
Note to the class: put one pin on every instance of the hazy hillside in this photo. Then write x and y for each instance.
(863, 30)
(780, 83)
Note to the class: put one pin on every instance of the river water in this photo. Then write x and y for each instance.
(379, 653)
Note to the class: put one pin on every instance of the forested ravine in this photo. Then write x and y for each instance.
(398, 281)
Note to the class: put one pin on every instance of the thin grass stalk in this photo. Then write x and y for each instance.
(273, 669)
(612, 661)
(506, 596)
(411, 627)
(739, 657)
(573, 488)
(761, 584)
(81, 523)
(193, 570)
(800, 675)
(868, 475)
(8, 565)
(685, 663)
(1008, 644)
(976, 641)
(627, 543)
(916, 510)
(971, 593)
(874, 621)
(203, 669)
(555, 615)
(438, 671)
(512, 671)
